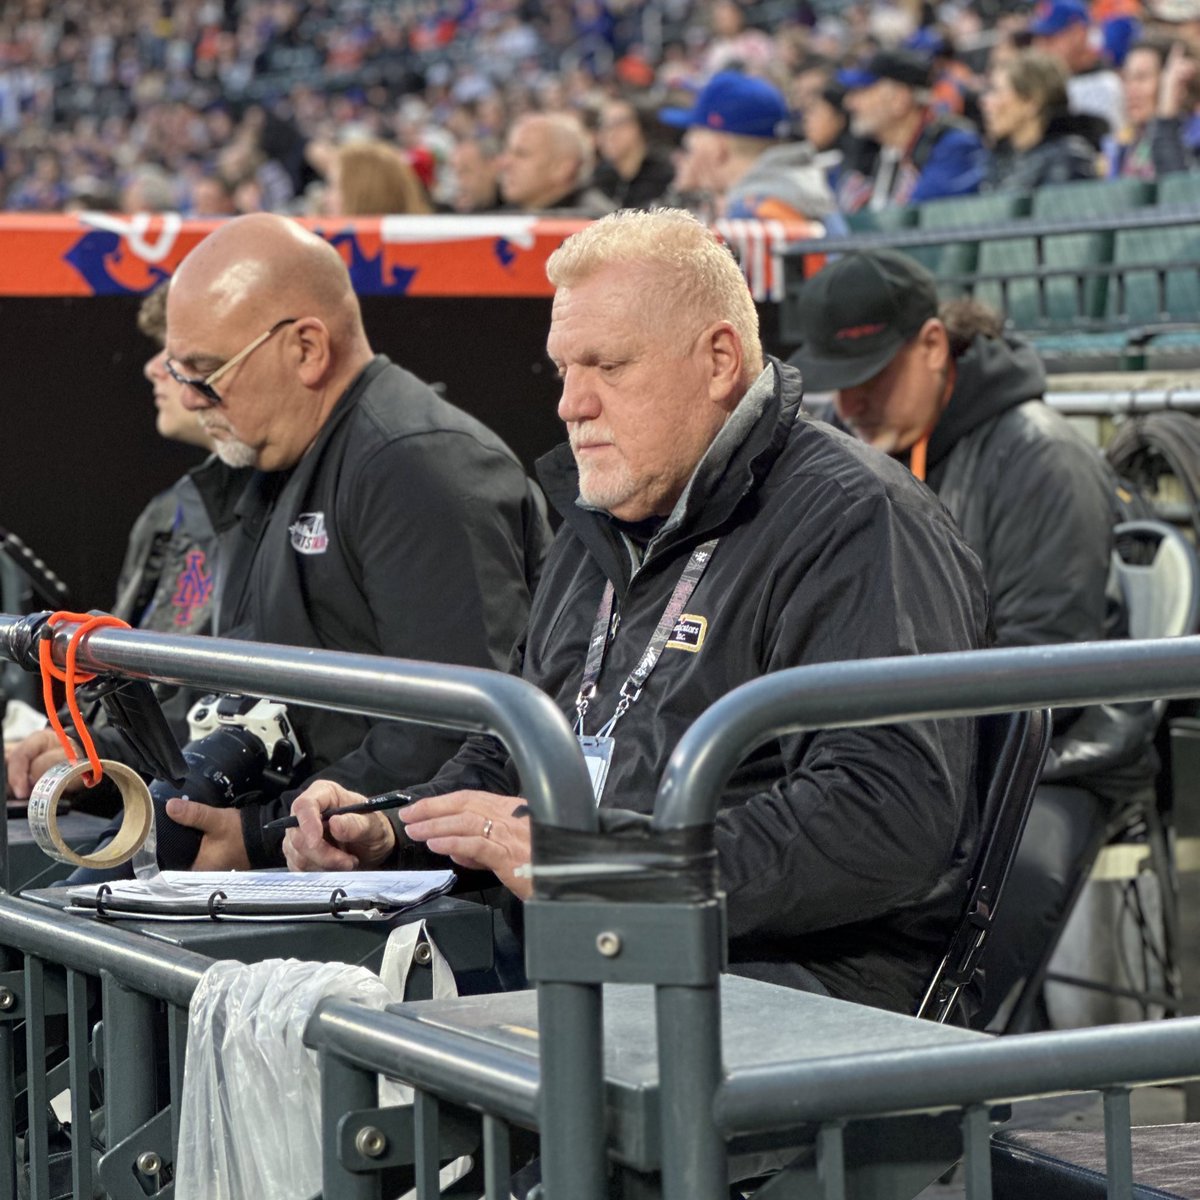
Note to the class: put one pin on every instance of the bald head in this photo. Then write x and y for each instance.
(547, 156)
(264, 276)
(252, 266)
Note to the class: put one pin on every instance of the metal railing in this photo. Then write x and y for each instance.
(700, 1103)
(1099, 290)
(553, 774)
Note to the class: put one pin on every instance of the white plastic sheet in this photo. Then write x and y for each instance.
(250, 1112)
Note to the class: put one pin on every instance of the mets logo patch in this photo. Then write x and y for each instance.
(308, 534)
(688, 634)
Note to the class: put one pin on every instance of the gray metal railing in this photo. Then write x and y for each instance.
(700, 1105)
(553, 774)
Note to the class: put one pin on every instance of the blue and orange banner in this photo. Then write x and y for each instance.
(106, 254)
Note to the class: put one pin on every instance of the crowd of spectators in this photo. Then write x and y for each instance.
(216, 107)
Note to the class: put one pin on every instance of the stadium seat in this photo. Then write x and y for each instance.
(1181, 190)
(888, 220)
(1167, 287)
(951, 259)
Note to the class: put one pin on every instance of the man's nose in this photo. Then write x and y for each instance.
(578, 401)
(156, 367)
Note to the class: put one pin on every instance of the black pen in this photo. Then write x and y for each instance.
(381, 803)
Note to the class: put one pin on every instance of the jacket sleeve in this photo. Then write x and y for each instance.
(1167, 150)
(956, 166)
(1048, 543)
(863, 820)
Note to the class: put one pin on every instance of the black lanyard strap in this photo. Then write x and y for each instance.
(604, 629)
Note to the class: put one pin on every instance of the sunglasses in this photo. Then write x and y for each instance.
(205, 385)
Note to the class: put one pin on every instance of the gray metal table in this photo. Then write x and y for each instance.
(762, 1025)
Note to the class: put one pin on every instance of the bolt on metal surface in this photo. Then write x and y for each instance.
(149, 1163)
(370, 1142)
(609, 944)
(8, 999)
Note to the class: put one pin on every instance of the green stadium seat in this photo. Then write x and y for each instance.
(1181, 190)
(963, 212)
(888, 220)
(1168, 294)
(1066, 298)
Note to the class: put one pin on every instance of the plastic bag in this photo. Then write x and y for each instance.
(250, 1111)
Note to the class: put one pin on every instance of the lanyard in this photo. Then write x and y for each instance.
(605, 628)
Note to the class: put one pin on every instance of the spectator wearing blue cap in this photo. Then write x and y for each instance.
(1063, 29)
(733, 150)
(923, 155)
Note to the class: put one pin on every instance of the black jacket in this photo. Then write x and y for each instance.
(1037, 504)
(409, 530)
(842, 851)
(1065, 154)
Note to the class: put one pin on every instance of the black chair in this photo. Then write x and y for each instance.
(1156, 571)
(1012, 751)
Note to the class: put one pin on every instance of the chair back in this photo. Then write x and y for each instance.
(1011, 753)
(1155, 568)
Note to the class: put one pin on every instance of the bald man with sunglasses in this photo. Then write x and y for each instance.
(377, 518)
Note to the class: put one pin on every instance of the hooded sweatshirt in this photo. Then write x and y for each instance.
(1037, 504)
(783, 177)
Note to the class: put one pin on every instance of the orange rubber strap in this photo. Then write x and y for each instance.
(71, 678)
(917, 456)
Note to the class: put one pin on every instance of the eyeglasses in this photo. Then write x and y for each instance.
(205, 386)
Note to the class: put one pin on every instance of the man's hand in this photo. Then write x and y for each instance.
(222, 848)
(477, 830)
(31, 758)
(359, 840)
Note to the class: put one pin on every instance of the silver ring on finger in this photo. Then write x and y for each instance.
(487, 827)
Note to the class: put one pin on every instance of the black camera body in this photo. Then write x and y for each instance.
(241, 750)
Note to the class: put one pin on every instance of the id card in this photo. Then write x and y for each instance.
(597, 753)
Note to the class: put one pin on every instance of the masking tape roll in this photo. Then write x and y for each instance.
(137, 814)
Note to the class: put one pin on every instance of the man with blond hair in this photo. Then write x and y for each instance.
(712, 533)
(547, 167)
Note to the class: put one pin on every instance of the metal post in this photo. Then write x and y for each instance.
(425, 1145)
(694, 1160)
(831, 1161)
(1118, 1146)
(79, 1057)
(129, 1068)
(344, 1089)
(571, 1103)
(497, 1158)
(36, 1099)
(977, 1152)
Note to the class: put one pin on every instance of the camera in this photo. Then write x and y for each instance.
(240, 750)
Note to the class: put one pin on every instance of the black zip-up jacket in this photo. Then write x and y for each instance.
(409, 530)
(840, 851)
(1037, 504)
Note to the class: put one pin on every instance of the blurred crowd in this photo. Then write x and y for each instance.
(808, 111)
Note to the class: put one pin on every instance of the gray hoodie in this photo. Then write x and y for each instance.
(788, 173)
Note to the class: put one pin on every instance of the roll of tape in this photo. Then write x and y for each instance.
(137, 816)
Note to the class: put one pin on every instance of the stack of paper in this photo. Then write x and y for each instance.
(262, 894)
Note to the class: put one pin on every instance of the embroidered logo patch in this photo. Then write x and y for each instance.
(308, 534)
(193, 588)
(688, 634)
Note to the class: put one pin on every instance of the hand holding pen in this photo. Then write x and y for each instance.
(313, 841)
(381, 803)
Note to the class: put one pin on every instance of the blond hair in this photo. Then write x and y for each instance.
(692, 268)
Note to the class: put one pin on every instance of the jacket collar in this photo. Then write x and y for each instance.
(733, 467)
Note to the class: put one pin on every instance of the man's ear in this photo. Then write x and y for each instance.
(934, 342)
(316, 351)
(726, 360)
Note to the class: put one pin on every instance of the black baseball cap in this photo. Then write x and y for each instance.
(909, 67)
(856, 314)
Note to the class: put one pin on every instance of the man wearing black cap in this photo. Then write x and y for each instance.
(923, 156)
(960, 403)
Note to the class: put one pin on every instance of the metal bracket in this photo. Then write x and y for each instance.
(372, 1139)
(12, 995)
(569, 942)
(142, 1165)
